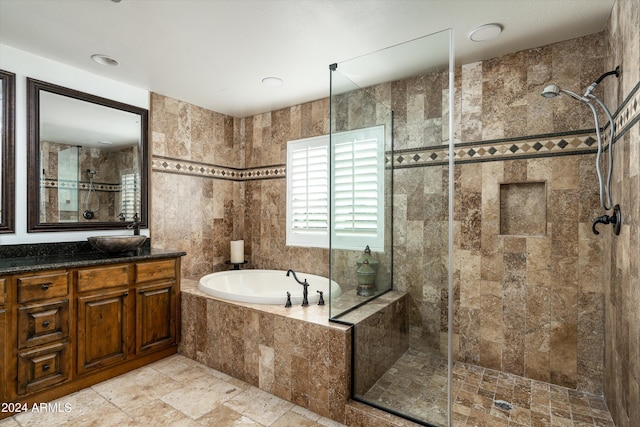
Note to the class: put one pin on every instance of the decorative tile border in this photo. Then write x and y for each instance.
(75, 185)
(501, 149)
(205, 170)
(629, 112)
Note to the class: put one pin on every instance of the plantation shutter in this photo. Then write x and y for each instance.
(129, 190)
(356, 187)
(310, 189)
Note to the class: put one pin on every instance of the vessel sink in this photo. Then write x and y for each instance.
(116, 244)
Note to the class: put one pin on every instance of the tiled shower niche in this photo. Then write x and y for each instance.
(523, 209)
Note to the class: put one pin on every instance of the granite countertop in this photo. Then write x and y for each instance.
(48, 256)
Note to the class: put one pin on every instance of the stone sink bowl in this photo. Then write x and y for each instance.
(114, 245)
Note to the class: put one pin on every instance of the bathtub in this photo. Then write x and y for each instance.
(265, 286)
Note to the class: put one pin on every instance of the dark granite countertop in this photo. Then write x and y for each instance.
(47, 256)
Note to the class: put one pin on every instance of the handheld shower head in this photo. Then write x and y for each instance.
(551, 91)
(554, 90)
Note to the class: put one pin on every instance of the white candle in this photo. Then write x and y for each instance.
(237, 251)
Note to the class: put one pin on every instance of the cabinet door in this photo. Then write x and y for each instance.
(43, 323)
(155, 316)
(102, 330)
(43, 367)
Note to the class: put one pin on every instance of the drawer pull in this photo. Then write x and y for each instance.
(46, 286)
(141, 291)
(126, 294)
(45, 368)
(45, 324)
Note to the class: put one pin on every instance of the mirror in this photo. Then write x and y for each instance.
(87, 160)
(7, 130)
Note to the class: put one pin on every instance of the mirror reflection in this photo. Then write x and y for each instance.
(89, 154)
(7, 112)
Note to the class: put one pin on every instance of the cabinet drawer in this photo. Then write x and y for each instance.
(43, 367)
(43, 323)
(44, 286)
(93, 279)
(156, 270)
(3, 290)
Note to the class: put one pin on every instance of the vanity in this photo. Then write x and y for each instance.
(71, 316)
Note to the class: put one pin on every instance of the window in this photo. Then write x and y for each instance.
(130, 191)
(357, 196)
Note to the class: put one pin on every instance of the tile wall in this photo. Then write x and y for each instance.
(293, 353)
(526, 305)
(621, 258)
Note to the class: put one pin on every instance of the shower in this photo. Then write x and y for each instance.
(552, 91)
(88, 213)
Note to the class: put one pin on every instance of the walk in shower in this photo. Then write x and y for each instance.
(481, 302)
(390, 243)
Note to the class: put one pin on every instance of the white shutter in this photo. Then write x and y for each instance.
(308, 192)
(358, 190)
(129, 190)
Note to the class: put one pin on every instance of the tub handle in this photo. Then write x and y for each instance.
(321, 301)
(288, 303)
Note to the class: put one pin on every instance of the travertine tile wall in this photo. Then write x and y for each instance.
(529, 305)
(265, 139)
(526, 305)
(190, 211)
(294, 353)
(622, 253)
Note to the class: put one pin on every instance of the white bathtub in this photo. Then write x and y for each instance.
(265, 286)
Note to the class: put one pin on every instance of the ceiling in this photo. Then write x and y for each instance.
(215, 53)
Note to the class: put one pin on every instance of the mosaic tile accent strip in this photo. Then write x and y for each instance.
(503, 149)
(629, 112)
(206, 170)
(75, 185)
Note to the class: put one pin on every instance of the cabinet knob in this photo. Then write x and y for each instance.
(46, 286)
(45, 368)
(126, 294)
(45, 324)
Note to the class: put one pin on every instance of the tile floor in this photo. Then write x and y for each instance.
(175, 391)
(416, 384)
(178, 391)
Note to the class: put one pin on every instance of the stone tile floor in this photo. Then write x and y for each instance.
(416, 385)
(175, 391)
(178, 391)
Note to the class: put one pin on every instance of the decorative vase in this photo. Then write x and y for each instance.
(366, 273)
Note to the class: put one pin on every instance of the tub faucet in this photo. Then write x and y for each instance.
(305, 291)
(135, 225)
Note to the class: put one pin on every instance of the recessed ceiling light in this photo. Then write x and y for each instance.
(272, 81)
(105, 60)
(485, 32)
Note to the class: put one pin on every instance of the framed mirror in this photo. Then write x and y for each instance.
(7, 130)
(87, 160)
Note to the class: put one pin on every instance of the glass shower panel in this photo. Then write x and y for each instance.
(361, 183)
(397, 293)
(68, 185)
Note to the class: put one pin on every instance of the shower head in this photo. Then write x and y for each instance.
(551, 91)
(554, 90)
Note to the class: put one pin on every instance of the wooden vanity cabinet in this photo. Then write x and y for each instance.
(102, 321)
(156, 305)
(37, 319)
(63, 330)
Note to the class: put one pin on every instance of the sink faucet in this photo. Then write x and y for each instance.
(305, 284)
(135, 225)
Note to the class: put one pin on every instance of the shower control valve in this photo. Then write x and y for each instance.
(615, 220)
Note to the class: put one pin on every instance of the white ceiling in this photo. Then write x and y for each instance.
(214, 53)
